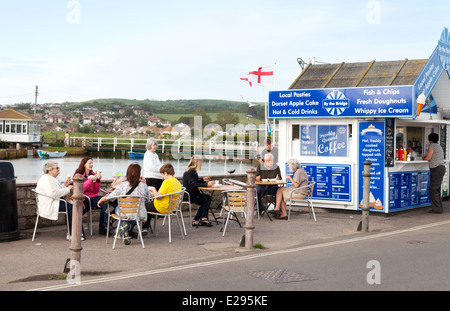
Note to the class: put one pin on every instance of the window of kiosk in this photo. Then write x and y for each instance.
(414, 142)
(318, 140)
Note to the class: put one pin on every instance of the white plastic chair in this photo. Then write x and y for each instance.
(308, 198)
(188, 201)
(175, 200)
(37, 194)
(128, 210)
(234, 202)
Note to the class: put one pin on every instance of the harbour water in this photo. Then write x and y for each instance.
(30, 169)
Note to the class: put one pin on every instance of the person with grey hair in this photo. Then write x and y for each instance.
(151, 166)
(300, 179)
(51, 187)
(267, 170)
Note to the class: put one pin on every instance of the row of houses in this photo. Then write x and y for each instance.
(23, 129)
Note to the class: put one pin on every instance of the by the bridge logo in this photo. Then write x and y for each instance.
(335, 103)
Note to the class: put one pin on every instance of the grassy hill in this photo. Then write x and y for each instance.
(172, 110)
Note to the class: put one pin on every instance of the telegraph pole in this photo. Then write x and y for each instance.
(35, 100)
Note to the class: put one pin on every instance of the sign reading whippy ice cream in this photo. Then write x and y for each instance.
(389, 101)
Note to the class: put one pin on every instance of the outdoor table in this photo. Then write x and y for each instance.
(215, 188)
(267, 183)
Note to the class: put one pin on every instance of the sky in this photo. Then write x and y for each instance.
(78, 50)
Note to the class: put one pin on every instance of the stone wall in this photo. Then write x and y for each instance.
(26, 203)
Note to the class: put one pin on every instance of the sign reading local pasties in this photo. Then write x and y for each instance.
(390, 101)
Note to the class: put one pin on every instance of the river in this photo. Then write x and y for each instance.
(30, 169)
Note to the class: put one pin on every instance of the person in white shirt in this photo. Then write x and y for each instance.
(152, 164)
(49, 185)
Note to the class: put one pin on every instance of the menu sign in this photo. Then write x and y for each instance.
(333, 181)
(408, 189)
(372, 148)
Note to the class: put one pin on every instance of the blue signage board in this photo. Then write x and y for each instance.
(323, 140)
(372, 148)
(389, 101)
(408, 190)
(429, 75)
(333, 181)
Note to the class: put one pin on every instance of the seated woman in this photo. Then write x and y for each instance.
(300, 179)
(191, 182)
(92, 183)
(50, 186)
(169, 185)
(133, 184)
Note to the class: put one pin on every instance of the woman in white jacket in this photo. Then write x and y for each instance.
(50, 186)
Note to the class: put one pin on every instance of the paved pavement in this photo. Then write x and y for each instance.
(27, 265)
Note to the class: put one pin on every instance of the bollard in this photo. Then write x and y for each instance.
(366, 197)
(251, 185)
(77, 223)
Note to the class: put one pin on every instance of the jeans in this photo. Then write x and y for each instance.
(203, 202)
(62, 208)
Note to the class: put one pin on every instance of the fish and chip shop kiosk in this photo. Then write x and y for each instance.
(333, 130)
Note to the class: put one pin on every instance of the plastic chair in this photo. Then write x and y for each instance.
(175, 200)
(128, 210)
(37, 194)
(188, 201)
(229, 181)
(234, 202)
(308, 198)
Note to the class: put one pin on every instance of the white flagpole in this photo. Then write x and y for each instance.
(275, 87)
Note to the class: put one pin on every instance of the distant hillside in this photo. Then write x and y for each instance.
(174, 107)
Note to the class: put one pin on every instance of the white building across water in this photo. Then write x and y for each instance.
(19, 128)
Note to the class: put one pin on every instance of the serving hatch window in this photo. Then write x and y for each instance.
(324, 140)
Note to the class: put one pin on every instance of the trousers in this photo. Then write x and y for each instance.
(436, 176)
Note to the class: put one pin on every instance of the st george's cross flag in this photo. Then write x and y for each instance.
(261, 76)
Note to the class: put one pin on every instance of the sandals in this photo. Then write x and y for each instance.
(205, 222)
(202, 222)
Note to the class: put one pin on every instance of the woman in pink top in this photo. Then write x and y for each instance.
(92, 183)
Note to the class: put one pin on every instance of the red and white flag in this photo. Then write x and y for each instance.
(261, 76)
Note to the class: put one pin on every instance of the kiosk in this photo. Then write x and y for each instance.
(336, 116)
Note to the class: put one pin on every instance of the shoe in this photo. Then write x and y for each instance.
(275, 211)
(282, 218)
(205, 223)
(126, 238)
(102, 231)
(434, 211)
(197, 223)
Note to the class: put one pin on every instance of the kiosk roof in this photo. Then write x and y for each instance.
(363, 74)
